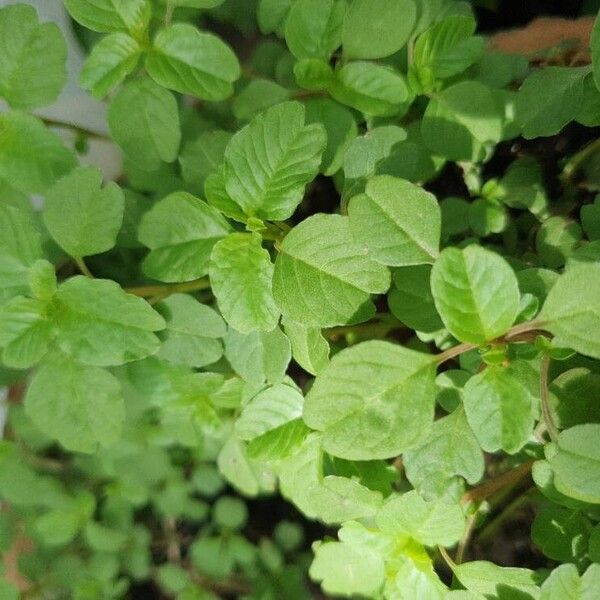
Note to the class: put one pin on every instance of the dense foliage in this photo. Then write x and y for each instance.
(318, 276)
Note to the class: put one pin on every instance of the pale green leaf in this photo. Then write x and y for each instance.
(269, 162)
(314, 28)
(462, 122)
(499, 408)
(180, 231)
(257, 96)
(322, 278)
(565, 583)
(81, 216)
(189, 61)
(144, 120)
(192, 333)
(572, 309)
(377, 28)
(32, 58)
(475, 292)
(78, 405)
(398, 222)
(258, 356)
(309, 348)
(99, 324)
(429, 523)
(575, 460)
(241, 273)
(280, 442)
(374, 400)
(110, 61)
(108, 16)
(32, 158)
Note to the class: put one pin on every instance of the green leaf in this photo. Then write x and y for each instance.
(272, 15)
(410, 299)
(575, 392)
(81, 216)
(565, 583)
(257, 96)
(144, 120)
(322, 278)
(20, 248)
(180, 231)
(240, 471)
(104, 539)
(377, 28)
(193, 62)
(572, 309)
(25, 332)
(279, 443)
(556, 240)
(575, 460)
(549, 99)
(108, 16)
(313, 74)
(372, 89)
(449, 450)
(462, 122)
(78, 405)
(192, 333)
(31, 157)
(590, 219)
(475, 292)
(340, 127)
(258, 356)
(32, 58)
(241, 273)
(374, 400)
(314, 28)
(99, 324)
(497, 582)
(309, 348)
(499, 408)
(446, 49)
(398, 222)
(230, 513)
(429, 523)
(9, 591)
(269, 162)
(271, 408)
(110, 61)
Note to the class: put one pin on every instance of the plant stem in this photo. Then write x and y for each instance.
(77, 129)
(577, 160)
(464, 541)
(545, 401)
(162, 291)
(82, 266)
(492, 486)
(454, 352)
(169, 12)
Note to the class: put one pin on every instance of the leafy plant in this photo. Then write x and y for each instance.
(318, 276)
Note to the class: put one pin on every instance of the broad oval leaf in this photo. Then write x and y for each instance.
(322, 278)
(476, 293)
(397, 221)
(108, 16)
(374, 400)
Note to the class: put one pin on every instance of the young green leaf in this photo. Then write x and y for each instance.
(99, 324)
(269, 162)
(429, 523)
(110, 61)
(462, 121)
(475, 292)
(192, 333)
(32, 58)
(565, 583)
(81, 216)
(32, 158)
(258, 356)
(571, 311)
(193, 62)
(180, 231)
(499, 408)
(272, 15)
(309, 348)
(398, 222)
(322, 278)
(575, 459)
(78, 405)
(377, 28)
(144, 120)
(25, 332)
(241, 275)
(374, 400)
(485, 578)
(314, 28)
(109, 16)
(257, 96)
(548, 99)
